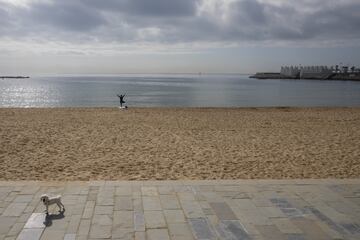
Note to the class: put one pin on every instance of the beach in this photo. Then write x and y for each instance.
(66, 144)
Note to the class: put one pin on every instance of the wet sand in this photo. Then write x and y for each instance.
(179, 143)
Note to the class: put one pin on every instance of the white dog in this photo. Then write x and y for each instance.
(51, 200)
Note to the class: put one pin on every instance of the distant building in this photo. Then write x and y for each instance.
(291, 72)
(306, 71)
(315, 71)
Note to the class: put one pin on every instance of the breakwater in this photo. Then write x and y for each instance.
(333, 76)
(15, 77)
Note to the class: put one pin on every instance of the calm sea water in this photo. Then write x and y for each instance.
(174, 90)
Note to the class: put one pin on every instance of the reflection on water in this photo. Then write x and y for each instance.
(175, 90)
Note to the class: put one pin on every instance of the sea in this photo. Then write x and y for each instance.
(175, 90)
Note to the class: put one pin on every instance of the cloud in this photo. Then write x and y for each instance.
(153, 8)
(65, 15)
(209, 22)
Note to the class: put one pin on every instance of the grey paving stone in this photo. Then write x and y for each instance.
(15, 209)
(242, 195)
(287, 208)
(123, 203)
(212, 197)
(23, 198)
(6, 224)
(30, 234)
(352, 228)
(70, 236)
(36, 220)
(139, 221)
(180, 231)
(24, 217)
(107, 210)
(69, 199)
(154, 219)
(326, 220)
(281, 203)
(192, 209)
(84, 227)
(149, 191)
(169, 202)
(151, 203)
(186, 196)
(29, 189)
(100, 231)
(140, 236)
(296, 236)
(271, 212)
(73, 224)
(286, 226)
(331, 213)
(15, 229)
(174, 216)
(92, 196)
(123, 191)
(201, 229)
(310, 229)
(52, 234)
(10, 197)
(105, 196)
(297, 209)
(123, 233)
(231, 230)
(157, 234)
(123, 219)
(82, 199)
(8, 238)
(244, 204)
(271, 232)
(137, 204)
(253, 216)
(165, 190)
(89, 209)
(223, 211)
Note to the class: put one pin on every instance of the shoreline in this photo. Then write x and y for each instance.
(72, 144)
(185, 108)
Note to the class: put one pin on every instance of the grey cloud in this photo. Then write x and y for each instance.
(5, 21)
(67, 15)
(250, 12)
(336, 21)
(177, 21)
(146, 8)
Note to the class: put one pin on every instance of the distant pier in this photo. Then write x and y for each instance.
(16, 77)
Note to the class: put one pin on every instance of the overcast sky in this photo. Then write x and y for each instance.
(147, 36)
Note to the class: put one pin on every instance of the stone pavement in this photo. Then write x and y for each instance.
(179, 210)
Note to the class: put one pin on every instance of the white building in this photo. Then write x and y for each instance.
(290, 71)
(315, 71)
(305, 72)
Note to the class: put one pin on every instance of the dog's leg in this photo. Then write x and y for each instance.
(47, 209)
(62, 205)
(59, 206)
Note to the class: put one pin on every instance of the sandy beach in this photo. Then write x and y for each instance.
(179, 143)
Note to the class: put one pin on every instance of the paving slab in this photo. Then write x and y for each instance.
(183, 210)
(36, 220)
(30, 234)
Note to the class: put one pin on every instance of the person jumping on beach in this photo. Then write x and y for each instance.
(121, 97)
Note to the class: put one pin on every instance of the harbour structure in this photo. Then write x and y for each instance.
(312, 72)
(15, 77)
(304, 72)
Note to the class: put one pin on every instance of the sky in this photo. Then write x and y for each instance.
(175, 36)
